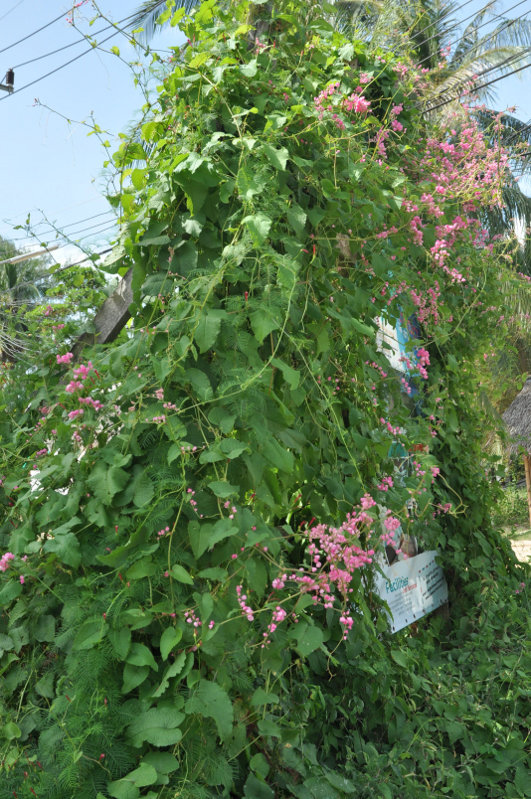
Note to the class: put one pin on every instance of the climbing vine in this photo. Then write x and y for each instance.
(192, 515)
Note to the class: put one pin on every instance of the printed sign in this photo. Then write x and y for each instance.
(412, 588)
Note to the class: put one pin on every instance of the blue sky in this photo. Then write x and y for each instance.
(51, 166)
(46, 163)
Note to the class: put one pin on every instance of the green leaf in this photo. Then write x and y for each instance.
(291, 376)
(261, 697)
(200, 383)
(400, 658)
(232, 448)
(259, 224)
(10, 731)
(144, 490)
(66, 547)
(140, 655)
(211, 700)
(278, 157)
(180, 574)
(263, 323)
(144, 775)
(106, 482)
(257, 789)
(250, 69)
(89, 634)
(133, 676)
(249, 183)
(199, 536)
(169, 638)
(172, 671)
(308, 638)
(214, 573)
(174, 452)
(121, 789)
(138, 178)
(211, 456)
(164, 762)
(120, 641)
(223, 489)
(11, 590)
(297, 219)
(199, 59)
(45, 628)
(208, 329)
(142, 568)
(158, 726)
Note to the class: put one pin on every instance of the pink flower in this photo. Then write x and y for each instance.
(73, 386)
(66, 358)
(357, 103)
(4, 561)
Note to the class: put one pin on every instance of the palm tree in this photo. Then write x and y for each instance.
(146, 15)
(22, 286)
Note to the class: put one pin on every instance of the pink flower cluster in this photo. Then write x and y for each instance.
(191, 618)
(247, 611)
(357, 103)
(4, 561)
(423, 360)
(386, 484)
(82, 371)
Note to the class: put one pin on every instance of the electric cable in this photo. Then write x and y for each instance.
(444, 15)
(113, 25)
(496, 16)
(79, 41)
(82, 261)
(499, 16)
(53, 228)
(477, 88)
(96, 233)
(29, 35)
(92, 227)
(60, 49)
(458, 87)
(11, 9)
(61, 66)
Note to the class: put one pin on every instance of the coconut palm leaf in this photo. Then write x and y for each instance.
(147, 14)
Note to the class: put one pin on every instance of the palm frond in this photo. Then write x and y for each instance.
(147, 14)
(470, 37)
(473, 73)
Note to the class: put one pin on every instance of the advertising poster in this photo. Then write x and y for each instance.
(412, 588)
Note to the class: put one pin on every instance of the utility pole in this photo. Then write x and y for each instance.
(9, 85)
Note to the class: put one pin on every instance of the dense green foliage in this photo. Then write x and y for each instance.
(155, 495)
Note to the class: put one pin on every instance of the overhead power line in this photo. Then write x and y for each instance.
(76, 43)
(11, 9)
(443, 16)
(83, 260)
(29, 35)
(457, 88)
(499, 16)
(482, 86)
(62, 66)
(113, 25)
(458, 24)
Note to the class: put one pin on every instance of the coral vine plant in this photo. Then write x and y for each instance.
(194, 513)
